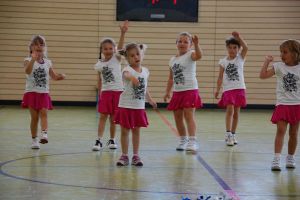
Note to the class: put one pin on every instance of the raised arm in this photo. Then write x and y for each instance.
(265, 72)
(124, 29)
(29, 64)
(219, 81)
(197, 55)
(242, 42)
(169, 87)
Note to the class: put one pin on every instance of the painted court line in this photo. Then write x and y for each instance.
(219, 180)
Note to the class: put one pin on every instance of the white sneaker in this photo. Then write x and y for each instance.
(234, 139)
(44, 138)
(276, 164)
(192, 146)
(182, 145)
(226, 135)
(230, 141)
(35, 143)
(97, 146)
(112, 144)
(290, 162)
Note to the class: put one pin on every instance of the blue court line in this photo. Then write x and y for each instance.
(219, 180)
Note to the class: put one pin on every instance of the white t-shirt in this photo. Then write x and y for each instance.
(111, 76)
(184, 72)
(38, 79)
(233, 77)
(134, 97)
(288, 84)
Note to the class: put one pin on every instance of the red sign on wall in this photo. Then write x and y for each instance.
(156, 1)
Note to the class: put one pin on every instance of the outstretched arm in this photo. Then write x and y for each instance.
(197, 55)
(242, 42)
(265, 72)
(56, 76)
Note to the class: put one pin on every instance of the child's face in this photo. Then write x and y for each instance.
(287, 56)
(108, 49)
(232, 50)
(38, 50)
(183, 44)
(134, 57)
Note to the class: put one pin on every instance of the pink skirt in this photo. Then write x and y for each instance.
(233, 97)
(185, 99)
(288, 113)
(108, 102)
(37, 101)
(131, 118)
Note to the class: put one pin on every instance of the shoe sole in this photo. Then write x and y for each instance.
(180, 149)
(112, 147)
(138, 165)
(43, 141)
(276, 169)
(94, 149)
(121, 165)
(290, 167)
(35, 147)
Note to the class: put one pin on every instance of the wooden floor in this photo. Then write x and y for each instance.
(67, 169)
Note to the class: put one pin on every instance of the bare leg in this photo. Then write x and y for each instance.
(124, 140)
(112, 128)
(190, 120)
(44, 119)
(229, 116)
(293, 133)
(136, 140)
(178, 116)
(101, 124)
(279, 139)
(34, 122)
(235, 120)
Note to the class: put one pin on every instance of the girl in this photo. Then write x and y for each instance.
(287, 110)
(185, 98)
(231, 75)
(131, 113)
(110, 86)
(38, 69)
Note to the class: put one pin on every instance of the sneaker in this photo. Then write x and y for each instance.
(230, 141)
(123, 161)
(192, 146)
(182, 145)
(276, 164)
(44, 138)
(290, 162)
(111, 144)
(35, 143)
(136, 161)
(97, 146)
(234, 139)
(226, 136)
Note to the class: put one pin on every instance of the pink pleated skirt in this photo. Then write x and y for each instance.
(37, 101)
(108, 102)
(288, 113)
(233, 97)
(131, 118)
(185, 99)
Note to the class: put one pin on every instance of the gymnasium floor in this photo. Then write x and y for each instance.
(66, 168)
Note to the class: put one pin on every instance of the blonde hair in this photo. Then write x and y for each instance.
(106, 40)
(37, 40)
(293, 46)
(140, 47)
(187, 34)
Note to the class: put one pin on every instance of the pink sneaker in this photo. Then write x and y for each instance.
(136, 161)
(123, 161)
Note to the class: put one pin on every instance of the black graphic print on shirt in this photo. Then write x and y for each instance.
(139, 91)
(39, 76)
(108, 76)
(178, 74)
(290, 82)
(232, 72)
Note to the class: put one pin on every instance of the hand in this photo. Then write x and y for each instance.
(35, 53)
(269, 58)
(235, 34)
(216, 95)
(153, 104)
(134, 81)
(166, 97)
(195, 40)
(61, 77)
(124, 26)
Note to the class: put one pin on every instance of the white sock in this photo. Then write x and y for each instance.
(277, 155)
(193, 138)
